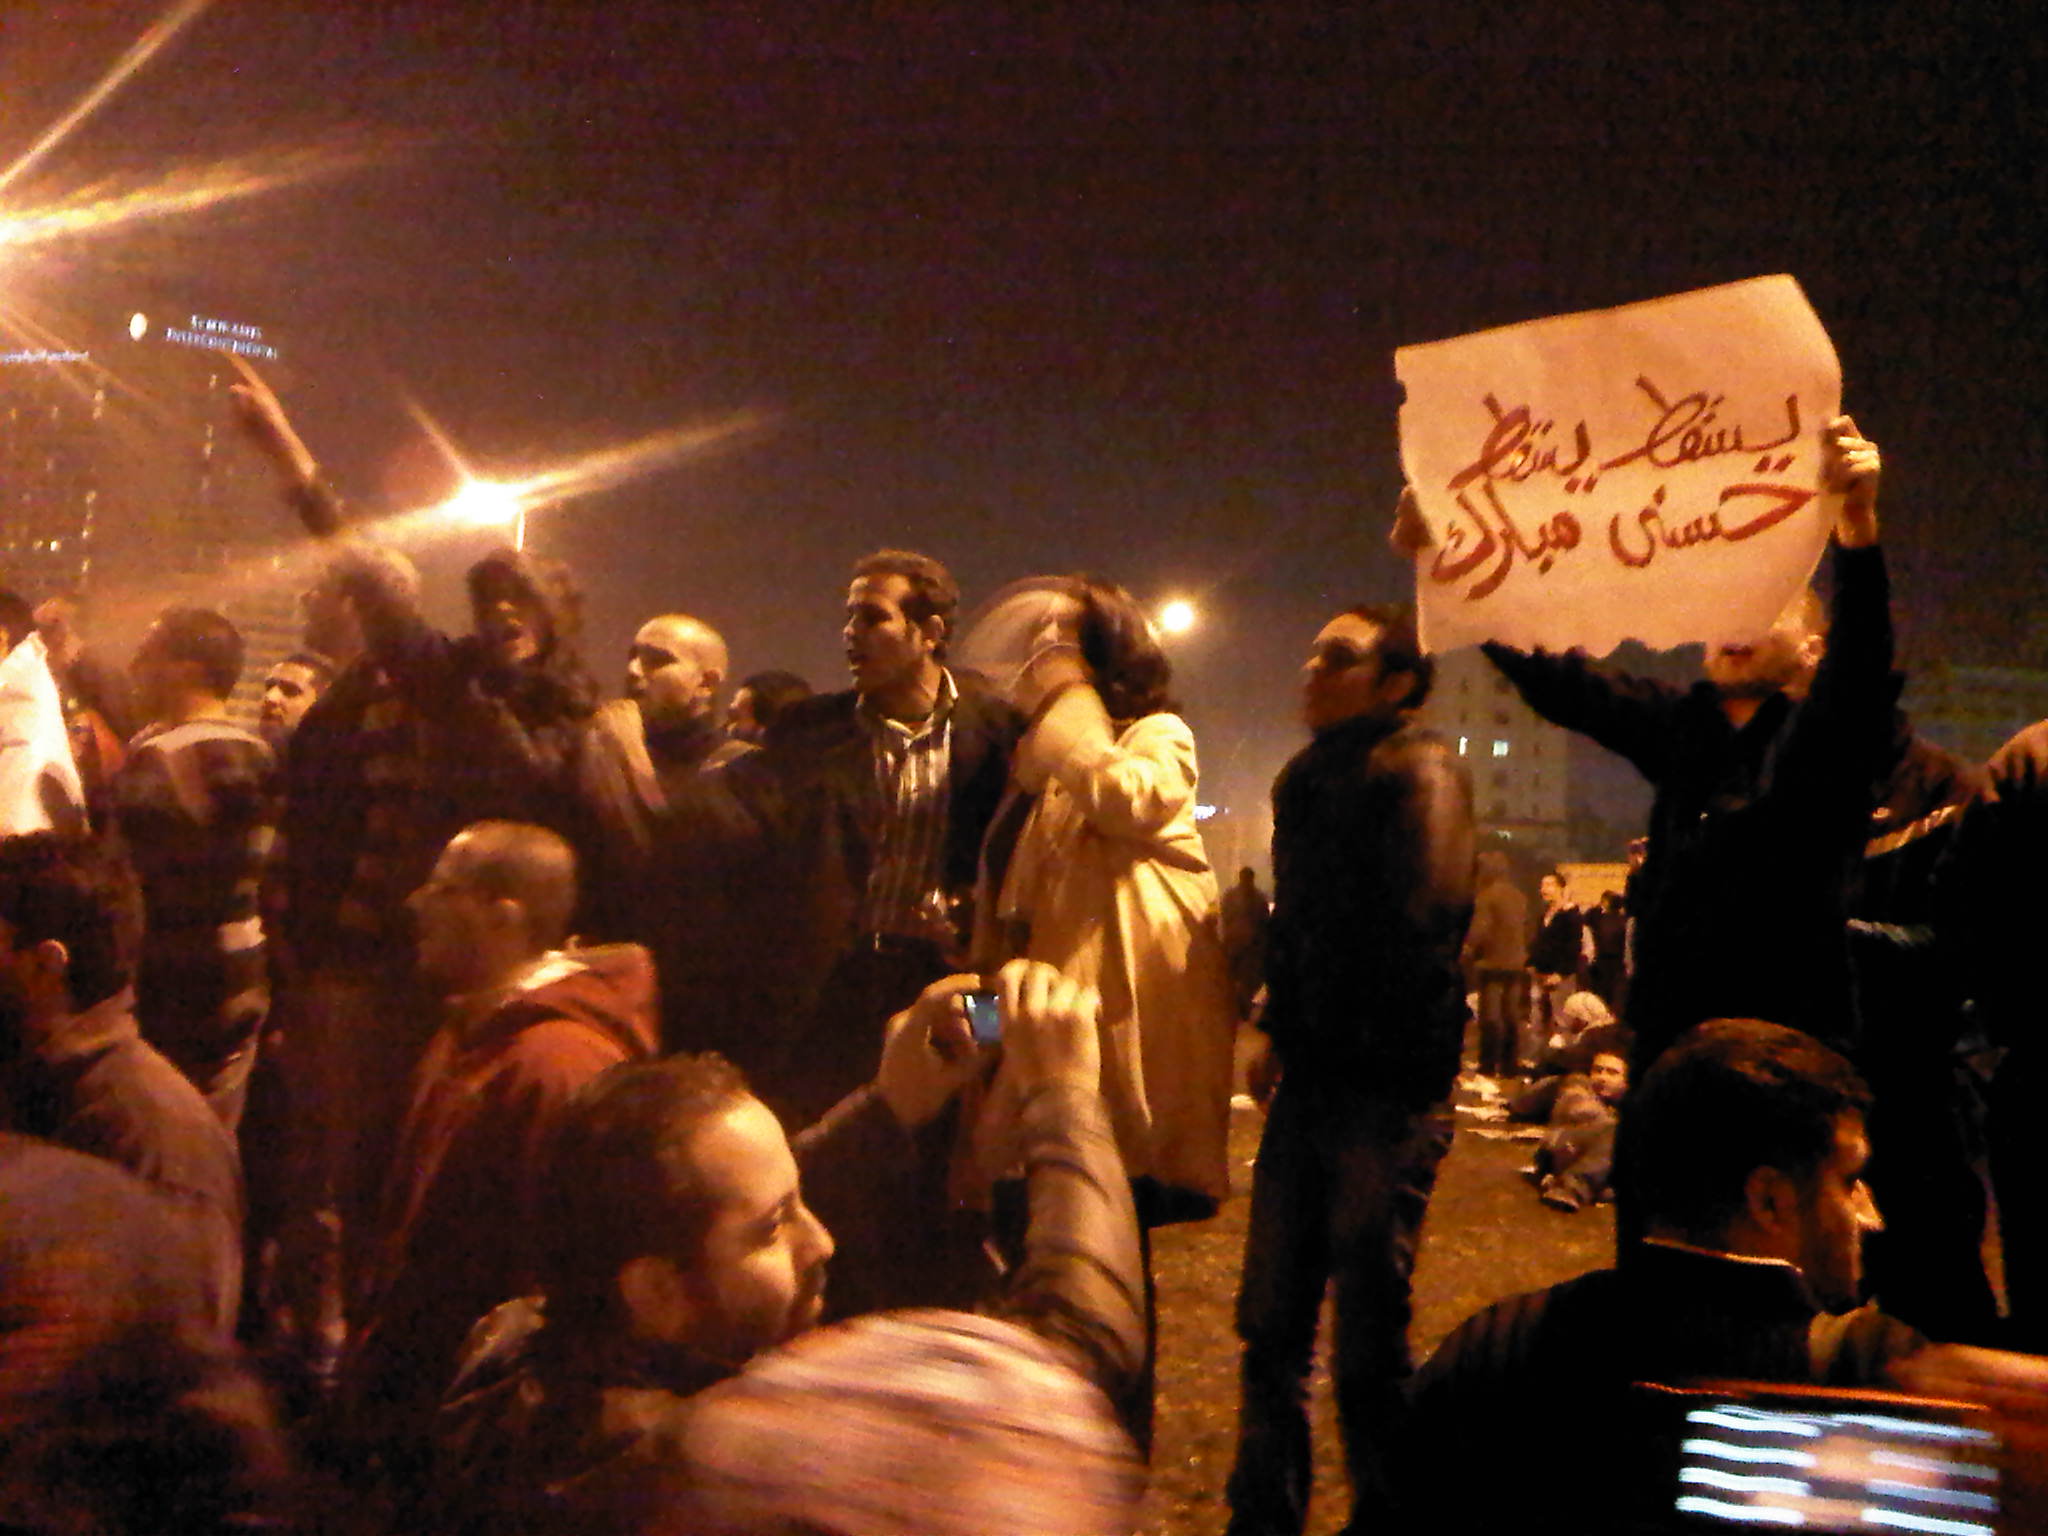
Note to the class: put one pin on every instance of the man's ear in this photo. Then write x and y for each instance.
(508, 913)
(710, 683)
(934, 631)
(1811, 649)
(1397, 688)
(54, 960)
(1772, 1202)
(657, 1299)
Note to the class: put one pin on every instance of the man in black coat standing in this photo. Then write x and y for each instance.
(1373, 852)
(1763, 776)
(879, 798)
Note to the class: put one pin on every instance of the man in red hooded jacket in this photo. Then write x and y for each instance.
(526, 1023)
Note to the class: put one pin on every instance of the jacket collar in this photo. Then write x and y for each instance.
(91, 1032)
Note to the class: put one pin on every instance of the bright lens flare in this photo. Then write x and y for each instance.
(1177, 617)
(106, 206)
(174, 21)
(483, 504)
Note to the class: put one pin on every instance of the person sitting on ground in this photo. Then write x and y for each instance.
(671, 1380)
(526, 1023)
(1583, 1018)
(1575, 1159)
(1748, 1162)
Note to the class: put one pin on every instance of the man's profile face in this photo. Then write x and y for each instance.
(450, 922)
(1550, 890)
(154, 674)
(740, 723)
(1342, 678)
(665, 676)
(760, 1276)
(288, 692)
(885, 647)
(328, 620)
(1837, 1211)
(1609, 1075)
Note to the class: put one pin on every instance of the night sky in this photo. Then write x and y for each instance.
(1108, 286)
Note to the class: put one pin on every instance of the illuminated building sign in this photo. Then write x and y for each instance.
(43, 355)
(213, 335)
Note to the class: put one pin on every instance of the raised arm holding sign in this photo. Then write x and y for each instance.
(1764, 770)
(1650, 472)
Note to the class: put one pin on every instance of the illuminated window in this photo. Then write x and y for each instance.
(1463, 742)
(1500, 747)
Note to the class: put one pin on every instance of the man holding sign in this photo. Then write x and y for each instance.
(1764, 776)
(1684, 514)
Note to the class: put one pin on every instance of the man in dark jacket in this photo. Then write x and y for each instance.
(676, 1381)
(121, 1408)
(1496, 947)
(75, 1070)
(1927, 1265)
(879, 798)
(672, 857)
(1372, 894)
(1753, 1158)
(526, 1024)
(1989, 904)
(1763, 778)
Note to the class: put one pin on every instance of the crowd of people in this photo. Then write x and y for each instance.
(459, 1103)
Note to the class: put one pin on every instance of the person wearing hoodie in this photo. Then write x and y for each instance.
(525, 1023)
(419, 735)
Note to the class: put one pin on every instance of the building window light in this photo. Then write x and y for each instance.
(1500, 747)
(1463, 743)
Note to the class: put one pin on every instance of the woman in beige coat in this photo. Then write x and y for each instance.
(1110, 883)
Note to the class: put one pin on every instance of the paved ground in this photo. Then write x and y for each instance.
(1486, 1237)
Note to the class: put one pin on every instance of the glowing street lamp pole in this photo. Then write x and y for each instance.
(482, 503)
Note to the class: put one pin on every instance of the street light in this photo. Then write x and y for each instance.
(1177, 617)
(483, 503)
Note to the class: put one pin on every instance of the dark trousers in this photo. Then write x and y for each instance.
(1500, 1008)
(1342, 1181)
(841, 1043)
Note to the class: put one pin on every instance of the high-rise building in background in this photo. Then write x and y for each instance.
(121, 478)
(1520, 763)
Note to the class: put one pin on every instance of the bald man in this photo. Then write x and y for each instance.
(525, 1023)
(673, 854)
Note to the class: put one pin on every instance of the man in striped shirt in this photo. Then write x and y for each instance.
(880, 796)
(196, 805)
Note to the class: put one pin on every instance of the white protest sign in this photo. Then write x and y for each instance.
(1650, 472)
